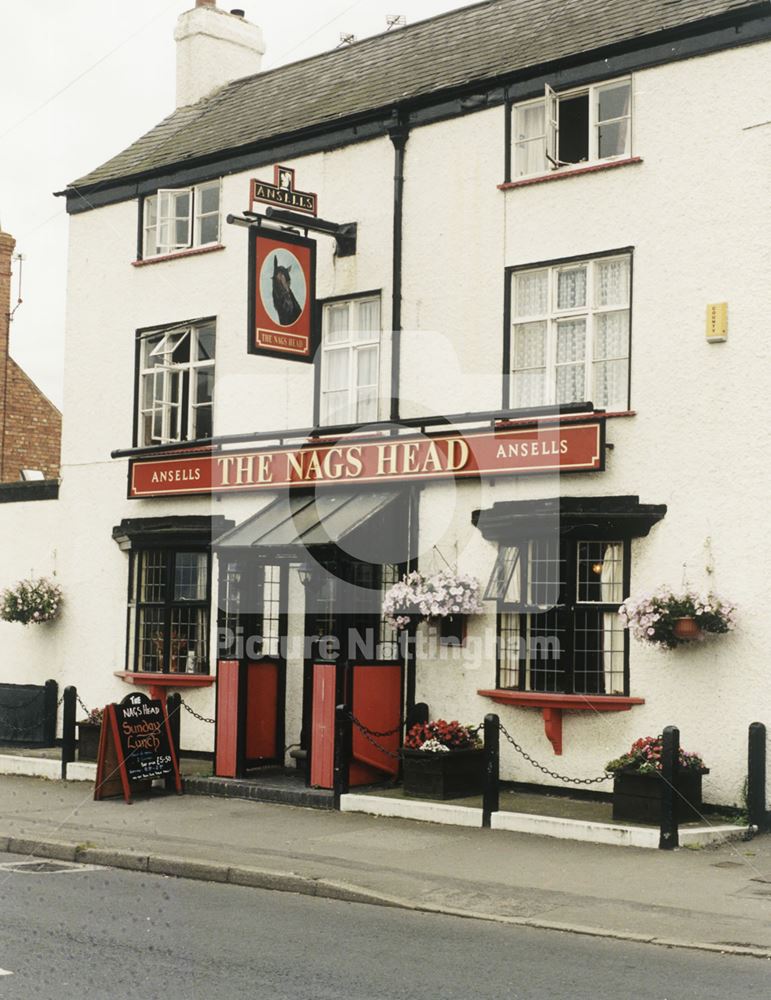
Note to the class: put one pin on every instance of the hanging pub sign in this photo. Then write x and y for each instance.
(282, 192)
(135, 746)
(576, 446)
(282, 295)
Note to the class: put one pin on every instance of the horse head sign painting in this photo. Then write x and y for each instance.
(282, 278)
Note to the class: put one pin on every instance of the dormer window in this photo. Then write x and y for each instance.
(581, 126)
(178, 219)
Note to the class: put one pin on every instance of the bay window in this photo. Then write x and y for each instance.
(180, 218)
(175, 383)
(562, 570)
(582, 125)
(559, 630)
(350, 361)
(570, 332)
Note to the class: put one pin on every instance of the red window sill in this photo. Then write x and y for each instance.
(157, 683)
(553, 705)
(192, 252)
(558, 175)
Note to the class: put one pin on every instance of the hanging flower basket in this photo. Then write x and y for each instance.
(31, 602)
(666, 619)
(442, 595)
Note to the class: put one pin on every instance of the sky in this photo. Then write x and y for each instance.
(82, 80)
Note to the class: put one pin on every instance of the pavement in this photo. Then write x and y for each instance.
(717, 898)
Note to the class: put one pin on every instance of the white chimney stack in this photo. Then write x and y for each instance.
(214, 47)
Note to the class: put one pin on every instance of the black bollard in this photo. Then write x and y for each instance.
(69, 709)
(670, 753)
(50, 706)
(342, 758)
(756, 777)
(490, 795)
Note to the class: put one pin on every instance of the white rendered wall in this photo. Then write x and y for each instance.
(31, 548)
(695, 213)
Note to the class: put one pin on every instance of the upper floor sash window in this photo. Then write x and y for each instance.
(180, 218)
(176, 383)
(350, 361)
(570, 333)
(584, 125)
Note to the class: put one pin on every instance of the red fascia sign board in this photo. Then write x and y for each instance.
(539, 448)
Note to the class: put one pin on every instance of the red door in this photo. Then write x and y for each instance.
(226, 743)
(261, 723)
(377, 696)
(323, 725)
(376, 703)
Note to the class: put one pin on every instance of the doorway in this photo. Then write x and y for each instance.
(251, 672)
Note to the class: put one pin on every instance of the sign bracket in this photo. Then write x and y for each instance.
(343, 233)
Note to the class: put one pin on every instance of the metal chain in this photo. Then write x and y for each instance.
(370, 737)
(373, 732)
(201, 718)
(85, 707)
(545, 770)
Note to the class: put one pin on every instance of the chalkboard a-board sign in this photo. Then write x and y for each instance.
(135, 746)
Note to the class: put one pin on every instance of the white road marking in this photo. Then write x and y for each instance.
(5, 972)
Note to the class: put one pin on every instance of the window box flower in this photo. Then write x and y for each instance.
(638, 783)
(442, 760)
(443, 595)
(666, 619)
(31, 602)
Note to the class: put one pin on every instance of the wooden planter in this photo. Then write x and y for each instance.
(637, 797)
(452, 775)
(88, 740)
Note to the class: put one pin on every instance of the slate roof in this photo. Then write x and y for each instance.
(472, 44)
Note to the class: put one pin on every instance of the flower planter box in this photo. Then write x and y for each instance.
(637, 797)
(452, 775)
(88, 741)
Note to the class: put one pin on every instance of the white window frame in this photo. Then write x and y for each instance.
(352, 346)
(553, 316)
(163, 376)
(152, 243)
(550, 134)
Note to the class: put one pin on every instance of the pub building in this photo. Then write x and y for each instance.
(469, 295)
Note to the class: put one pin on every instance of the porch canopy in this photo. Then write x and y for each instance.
(370, 526)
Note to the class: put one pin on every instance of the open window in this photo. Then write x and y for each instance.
(177, 219)
(578, 126)
(175, 383)
(562, 570)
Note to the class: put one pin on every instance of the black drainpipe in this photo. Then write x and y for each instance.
(399, 134)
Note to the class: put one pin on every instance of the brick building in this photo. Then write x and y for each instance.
(30, 425)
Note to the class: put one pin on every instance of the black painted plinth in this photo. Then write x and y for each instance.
(637, 797)
(452, 775)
